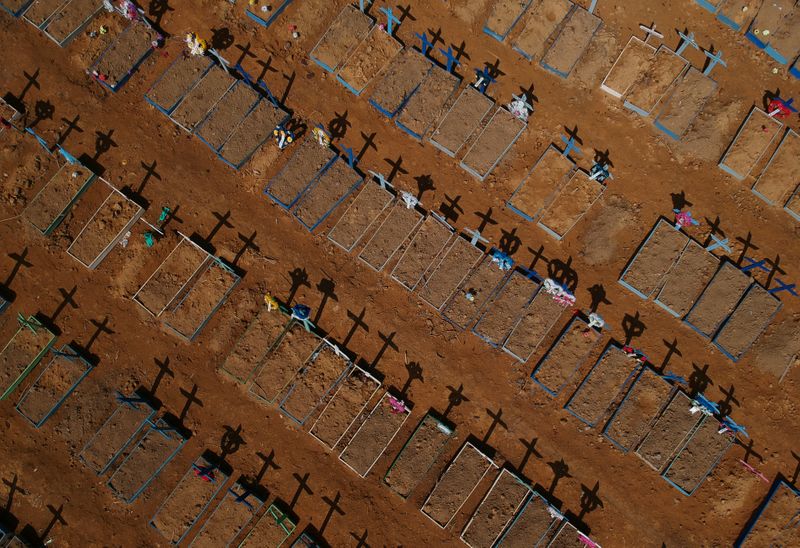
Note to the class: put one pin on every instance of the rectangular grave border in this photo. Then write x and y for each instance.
(709, 5)
(196, 131)
(728, 21)
(419, 136)
(134, 66)
(217, 62)
(730, 171)
(168, 111)
(239, 497)
(489, 258)
(389, 202)
(147, 420)
(275, 513)
(444, 223)
(442, 256)
(664, 129)
(557, 193)
(640, 110)
(526, 180)
(520, 358)
(67, 352)
(315, 181)
(4, 303)
(492, 465)
(17, 13)
(198, 463)
(398, 202)
(258, 144)
(533, 497)
(675, 394)
(660, 289)
(603, 85)
(15, 115)
(632, 260)
(521, 504)
(323, 65)
(274, 14)
(34, 324)
(75, 32)
(722, 349)
(349, 87)
(499, 158)
(501, 37)
(378, 384)
(454, 153)
(291, 204)
(553, 70)
(518, 271)
(785, 137)
(391, 114)
(711, 468)
(282, 310)
(780, 481)
(711, 335)
(117, 238)
(47, 19)
(795, 214)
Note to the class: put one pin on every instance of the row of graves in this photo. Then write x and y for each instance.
(421, 95)
(265, 12)
(556, 33)
(660, 82)
(715, 297)
(285, 361)
(773, 26)
(776, 522)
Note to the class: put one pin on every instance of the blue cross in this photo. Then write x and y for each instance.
(713, 60)
(39, 139)
(731, 425)
(351, 158)
(755, 264)
(362, 2)
(718, 243)
(131, 402)
(391, 19)
(783, 287)
(425, 44)
(451, 58)
(600, 173)
(686, 40)
(66, 355)
(592, 6)
(504, 262)
(674, 378)
(484, 78)
(67, 156)
(385, 184)
(706, 404)
(205, 471)
(476, 236)
(569, 146)
(786, 103)
(261, 84)
(300, 312)
(242, 499)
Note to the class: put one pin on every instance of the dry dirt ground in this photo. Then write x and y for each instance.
(633, 506)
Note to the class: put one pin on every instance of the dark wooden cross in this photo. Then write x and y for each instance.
(333, 508)
(191, 398)
(358, 322)
(747, 245)
(66, 300)
(19, 263)
(163, 370)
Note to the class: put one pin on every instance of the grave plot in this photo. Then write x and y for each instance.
(22, 353)
(117, 432)
(737, 13)
(398, 225)
(539, 318)
(258, 339)
(342, 410)
(439, 283)
(360, 215)
(368, 60)
(52, 203)
(40, 11)
(309, 159)
(328, 190)
(494, 141)
(249, 135)
(792, 207)
(456, 484)
(15, 7)
(534, 525)
(780, 178)
(687, 279)
(145, 461)
(495, 511)
(506, 307)
(546, 177)
(718, 300)
(9, 114)
(504, 16)
(348, 30)
(322, 373)
(402, 79)
(229, 518)
(427, 105)
(570, 204)
(425, 247)
(576, 32)
(171, 277)
(418, 455)
(374, 435)
(687, 99)
(187, 502)
(750, 143)
(673, 426)
(271, 530)
(461, 121)
(229, 111)
(265, 13)
(768, 16)
(698, 457)
(71, 19)
(53, 385)
(775, 520)
(638, 409)
(654, 83)
(201, 98)
(104, 230)
(282, 364)
(124, 55)
(633, 60)
(602, 386)
(750, 318)
(177, 81)
(566, 355)
(209, 291)
(568, 536)
(784, 41)
(474, 292)
(653, 260)
(543, 20)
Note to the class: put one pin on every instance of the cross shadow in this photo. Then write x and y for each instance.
(450, 208)
(67, 300)
(358, 323)
(589, 502)
(20, 262)
(361, 538)
(388, 342)
(538, 255)
(221, 39)
(748, 450)
(290, 79)
(679, 200)
(85, 350)
(248, 242)
(672, 350)
(299, 278)
(302, 487)
(157, 9)
(327, 290)
(497, 420)
(598, 295)
(149, 172)
(397, 168)
(509, 241)
(632, 327)
(339, 125)
(163, 371)
(191, 399)
(424, 184)
(699, 381)
(42, 110)
(369, 143)
(728, 401)
(42, 538)
(415, 373)
(530, 451)
(333, 509)
(455, 398)
(563, 273)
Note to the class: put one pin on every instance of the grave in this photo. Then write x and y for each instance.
(236, 509)
(427, 244)
(254, 344)
(397, 227)
(346, 32)
(477, 288)
(177, 81)
(754, 137)
(252, 133)
(461, 121)
(792, 207)
(116, 433)
(568, 536)
(688, 97)
(747, 322)
(534, 525)
(633, 60)
(188, 500)
(53, 386)
(53, 202)
(687, 279)
(671, 429)
(651, 263)
(653, 84)
(418, 455)
(543, 21)
(272, 529)
(226, 115)
(427, 105)
(124, 55)
(576, 33)
(539, 318)
(504, 16)
(718, 300)
(329, 189)
(495, 511)
(368, 60)
(737, 14)
(506, 308)
(40, 12)
(698, 457)
(400, 82)
(15, 7)
(107, 226)
(499, 135)
(774, 523)
(360, 215)
(456, 484)
(439, 283)
(308, 160)
(145, 460)
(546, 177)
(374, 435)
(70, 20)
(22, 353)
(193, 107)
(263, 13)
(768, 17)
(779, 180)
(570, 204)
(568, 352)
